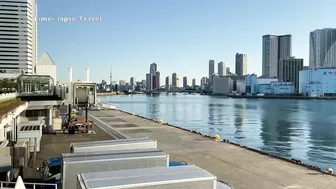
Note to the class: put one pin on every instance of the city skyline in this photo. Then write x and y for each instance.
(178, 37)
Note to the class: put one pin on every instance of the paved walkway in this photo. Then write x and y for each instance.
(240, 167)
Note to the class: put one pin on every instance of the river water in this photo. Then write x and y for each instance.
(299, 129)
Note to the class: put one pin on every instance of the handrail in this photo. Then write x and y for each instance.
(3, 183)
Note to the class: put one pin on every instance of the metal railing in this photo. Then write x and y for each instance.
(4, 185)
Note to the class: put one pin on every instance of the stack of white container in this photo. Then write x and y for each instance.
(129, 163)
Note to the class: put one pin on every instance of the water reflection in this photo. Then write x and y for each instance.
(322, 132)
(239, 115)
(300, 129)
(275, 130)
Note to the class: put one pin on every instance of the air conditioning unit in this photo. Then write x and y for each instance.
(71, 166)
(180, 177)
(106, 145)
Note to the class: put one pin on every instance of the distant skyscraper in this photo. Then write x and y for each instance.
(289, 69)
(122, 82)
(185, 82)
(18, 37)
(152, 72)
(211, 69)
(193, 82)
(228, 70)
(168, 82)
(132, 81)
(322, 48)
(148, 82)
(221, 69)
(274, 48)
(175, 80)
(241, 64)
(204, 82)
(158, 79)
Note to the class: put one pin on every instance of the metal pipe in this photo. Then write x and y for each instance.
(35, 146)
(70, 75)
(69, 113)
(86, 114)
(87, 74)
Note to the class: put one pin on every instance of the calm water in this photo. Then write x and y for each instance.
(300, 129)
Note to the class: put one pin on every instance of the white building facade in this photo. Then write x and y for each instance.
(18, 37)
(46, 66)
(318, 82)
(222, 85)
(241, 86)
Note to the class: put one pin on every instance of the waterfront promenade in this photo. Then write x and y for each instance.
(238, 166)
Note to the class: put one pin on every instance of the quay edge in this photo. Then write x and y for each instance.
(235, 164)
(294, 161)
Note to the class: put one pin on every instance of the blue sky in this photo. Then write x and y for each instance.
(179, 35)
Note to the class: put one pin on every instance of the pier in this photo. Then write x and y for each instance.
(241, 167)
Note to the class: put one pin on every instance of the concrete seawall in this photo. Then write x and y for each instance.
(241, 166)
(282, 97)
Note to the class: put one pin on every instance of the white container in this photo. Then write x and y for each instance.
(177, 177)
(106, 145)
(71, 166)
(29, 133)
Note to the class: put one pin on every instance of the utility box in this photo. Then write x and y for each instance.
(107, 145)
(71, 166)
(179, 177)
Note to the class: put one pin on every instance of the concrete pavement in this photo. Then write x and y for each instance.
(238, 166)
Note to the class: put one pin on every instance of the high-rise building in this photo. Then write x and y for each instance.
(222, 85)
(148, 82)
(241, 64)
(185, 82)
(289, 69)
(204, 82)
(158, 79)
(168, 82)
(153, 80)
(221, 69)
(322, 48)
(175, 80)
(228, 70)
(122, 82)
(18, 37)
(193, 82)
(132, 81)
(211, 69)
(274, 48)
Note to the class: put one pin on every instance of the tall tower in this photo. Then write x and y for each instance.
(221, 69)
(18, 37)
(274, 48)
(241, 64)
(211, 70)
(322, 48)
(153, 80)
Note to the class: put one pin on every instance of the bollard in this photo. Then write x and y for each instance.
(330, 171)
(217, 138)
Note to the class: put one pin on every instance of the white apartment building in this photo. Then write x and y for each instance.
(18, 37)
(222, 85)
